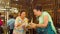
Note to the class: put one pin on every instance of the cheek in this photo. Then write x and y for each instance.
(38, 13)
(35, 14)
(23, 15)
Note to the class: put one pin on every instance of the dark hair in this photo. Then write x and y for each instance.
(22, 11)
(38, 8)
(11, 16)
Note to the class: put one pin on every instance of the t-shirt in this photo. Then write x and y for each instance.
(10, 23)
(41, 19)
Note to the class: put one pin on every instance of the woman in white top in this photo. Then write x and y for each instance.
(21, 23)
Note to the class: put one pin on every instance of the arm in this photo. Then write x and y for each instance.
(45, 22)
(17, 23)
(26, 23)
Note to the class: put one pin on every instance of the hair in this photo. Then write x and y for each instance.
(22, 11)
(11, 16)
(38, 8)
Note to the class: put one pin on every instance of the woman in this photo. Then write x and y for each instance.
(45, 25)
(21, 23)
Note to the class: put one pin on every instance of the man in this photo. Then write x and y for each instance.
(10, 23)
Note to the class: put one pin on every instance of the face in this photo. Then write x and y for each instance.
(23, 14)
(36, 12)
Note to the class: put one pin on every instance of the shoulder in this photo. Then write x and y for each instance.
(45, 13)
(26, 19)
(18, 18)
(13, 19)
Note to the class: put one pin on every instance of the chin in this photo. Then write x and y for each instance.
(37, 15)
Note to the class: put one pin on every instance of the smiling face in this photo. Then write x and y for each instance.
(23, 14)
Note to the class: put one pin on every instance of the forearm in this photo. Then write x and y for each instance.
(17, 25)
(41, 25)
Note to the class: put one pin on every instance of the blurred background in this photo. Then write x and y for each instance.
(12, 7)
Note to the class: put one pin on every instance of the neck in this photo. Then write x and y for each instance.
(22, 17)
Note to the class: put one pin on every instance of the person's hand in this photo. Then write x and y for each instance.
(24, 27)
(19, 24)
(29, 26)
(32, 25)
